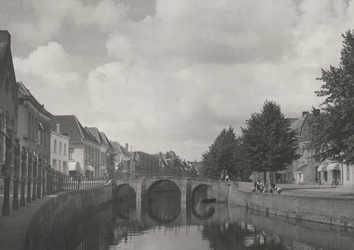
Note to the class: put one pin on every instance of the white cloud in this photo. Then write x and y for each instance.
(176, 78)
(51, 63)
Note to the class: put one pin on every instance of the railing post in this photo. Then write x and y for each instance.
(23, 175)
(7, 172)
(17, 163)
(29, 179)
(39, 178)
(44, 167)
(34, 177)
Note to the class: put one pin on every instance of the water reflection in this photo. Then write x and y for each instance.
(165, 223)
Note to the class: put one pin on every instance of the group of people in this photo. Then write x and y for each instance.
(224, 175)
(261, 187)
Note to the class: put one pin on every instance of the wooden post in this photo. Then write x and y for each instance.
(23, 175)
(17, 162)
(7, 172)
(35, 161)
(39, 179)
(29, 179)
(44, 177)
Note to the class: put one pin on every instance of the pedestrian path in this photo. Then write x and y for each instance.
(13, 228)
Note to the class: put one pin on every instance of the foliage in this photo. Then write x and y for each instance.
(221, 155)
(332, 133)
(268, 141)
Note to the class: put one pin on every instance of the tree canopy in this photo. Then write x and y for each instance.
(268, 141)
(221, 155)
(332, 133)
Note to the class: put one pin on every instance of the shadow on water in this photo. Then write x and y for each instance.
(206, 226)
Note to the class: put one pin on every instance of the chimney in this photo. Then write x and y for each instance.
(304, 113)
(127, 147)
(58, 128)
(131, 148)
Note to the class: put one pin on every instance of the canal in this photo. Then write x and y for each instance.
(165, 223)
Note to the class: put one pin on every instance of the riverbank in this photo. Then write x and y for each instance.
(323, 204)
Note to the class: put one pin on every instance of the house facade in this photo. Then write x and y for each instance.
(8, 93)
(33, 124)
(83, 148)
(104, 153)
(305, 169)
(59, 156)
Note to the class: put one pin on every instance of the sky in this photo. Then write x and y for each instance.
(166, 75)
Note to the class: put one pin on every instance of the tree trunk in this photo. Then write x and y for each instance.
(264, 176)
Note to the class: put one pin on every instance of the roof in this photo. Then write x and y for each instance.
(95, 134)
(301, 168)
(5, 41)
(300, 124)
(70, 126)
(105, 139)
(23, 92)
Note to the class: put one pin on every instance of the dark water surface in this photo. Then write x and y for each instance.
(165, 223)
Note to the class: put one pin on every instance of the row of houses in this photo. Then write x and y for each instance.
(307, 170)
(60, 141)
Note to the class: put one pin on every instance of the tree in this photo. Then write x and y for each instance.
(220, 155)
(268, 141)
(332, 132)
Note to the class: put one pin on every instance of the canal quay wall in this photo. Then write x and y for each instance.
(338, 211)
(49, 227)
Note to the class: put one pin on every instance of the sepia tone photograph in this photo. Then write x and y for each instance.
(189, 125)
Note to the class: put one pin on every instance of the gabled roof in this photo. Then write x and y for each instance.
(301, 123)
(23, 92)
(95, 134)
(5, 41)
(105, 139)
(70, 126)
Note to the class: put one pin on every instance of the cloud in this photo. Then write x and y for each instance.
(172, 77)
(48, 73)
(51, 63)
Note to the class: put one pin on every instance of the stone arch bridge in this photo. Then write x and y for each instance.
(187, 186)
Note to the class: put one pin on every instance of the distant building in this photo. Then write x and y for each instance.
(8, 92)
(84, 149)
(125, 164)
(33, 124)
(104, 152)
(59, 157)
(148, 164)
(304, 170)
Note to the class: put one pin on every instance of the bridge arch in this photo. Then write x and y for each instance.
(187, 187)
(162, 185)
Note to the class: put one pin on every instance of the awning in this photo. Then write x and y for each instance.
(333, 166)
(322, 168)
(75, 166)
(89, 168)
(301, 168)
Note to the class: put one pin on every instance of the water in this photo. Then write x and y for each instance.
(165, 223)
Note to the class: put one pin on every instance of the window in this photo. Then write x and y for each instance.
(55, 146)
(59, 166)
(64, 167)
(55, 164)
(71, 154)
(64, 148)
(60, 148)
(348, 172)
